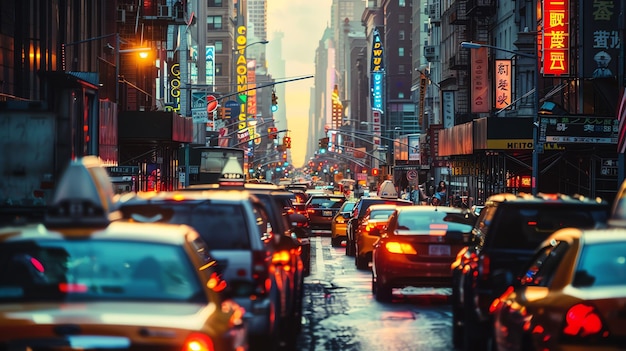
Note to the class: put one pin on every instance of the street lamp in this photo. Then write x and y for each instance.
(535, 155)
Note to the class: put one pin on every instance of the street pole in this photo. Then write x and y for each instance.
(184, 76)
(535, 127)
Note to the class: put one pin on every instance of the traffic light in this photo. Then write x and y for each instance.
(375, 172)
(323, 144)
(287, 142)
(272, 132)
(274, 102)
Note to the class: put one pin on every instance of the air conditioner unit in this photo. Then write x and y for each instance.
(165, 11)
(431, 53)
(121, 16)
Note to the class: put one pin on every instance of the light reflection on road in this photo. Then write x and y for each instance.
(341, 313)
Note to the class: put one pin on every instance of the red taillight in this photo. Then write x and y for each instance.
(260, 270)
(198, 342)
(582, 321)
(72, 288)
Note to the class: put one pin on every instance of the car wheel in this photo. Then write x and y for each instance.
(382, 292)
(473, 336)
(336, 241)
(361, 262)
(457, 326)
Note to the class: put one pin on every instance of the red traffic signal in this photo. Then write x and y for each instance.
(287, 142)
(375, 171)
(272, 132)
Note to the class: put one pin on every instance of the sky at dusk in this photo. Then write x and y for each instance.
(302, 23)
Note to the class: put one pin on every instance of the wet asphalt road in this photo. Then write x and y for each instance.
(340, 312)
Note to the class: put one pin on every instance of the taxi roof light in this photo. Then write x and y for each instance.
(83, 197)
(232, 173)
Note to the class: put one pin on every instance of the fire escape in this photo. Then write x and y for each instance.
(144, 26)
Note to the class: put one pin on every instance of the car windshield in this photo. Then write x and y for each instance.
(602, 265)
(220, 226)
(327, 202)
(89, 270)
(528, 227)
(427, 221)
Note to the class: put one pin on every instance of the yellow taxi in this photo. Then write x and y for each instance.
(339, 224)
(570, 296)
(79, 281)
(368, 232)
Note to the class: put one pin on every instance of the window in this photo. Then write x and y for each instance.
(401, 69)
(219, 46)
(401, 18)
(214, 22)
(401, 35)
(218, 69)
(402, 3)
(214, 3)
(401, 52)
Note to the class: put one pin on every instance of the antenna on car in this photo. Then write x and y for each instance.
(83, 197)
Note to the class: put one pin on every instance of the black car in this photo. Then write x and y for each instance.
(504, 238)
(358, 212)
(321, 209)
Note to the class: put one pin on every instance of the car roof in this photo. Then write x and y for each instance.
(232, 195)
(543, 198)
(172, 234)
(590, 236)
(381, 207)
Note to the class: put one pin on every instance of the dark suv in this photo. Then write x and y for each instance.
(278, 202)
(358, 213)
(505, 236)
(238, 226)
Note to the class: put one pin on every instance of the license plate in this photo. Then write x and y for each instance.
(439, 250)
(327, 213)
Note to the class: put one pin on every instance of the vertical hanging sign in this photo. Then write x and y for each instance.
(241, 70)
(555, 39)
(502, 75)
(480, 87)
(601, 39)
(377, 67)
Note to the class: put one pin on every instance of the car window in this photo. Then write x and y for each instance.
(88, 270)
(602, 264)
(543, 266)
(347, 206)
(526, 228)
(429, 221)
(217, 225)
(381, 214)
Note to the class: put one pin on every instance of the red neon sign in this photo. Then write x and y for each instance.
(556, 37)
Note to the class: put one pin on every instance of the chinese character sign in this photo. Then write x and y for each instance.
(555, 41)
(502, 77)
(480, 87)
(601, 39)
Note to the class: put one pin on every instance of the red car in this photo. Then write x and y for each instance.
(417, 248)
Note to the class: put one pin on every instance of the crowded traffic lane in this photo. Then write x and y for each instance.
(340, 312)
